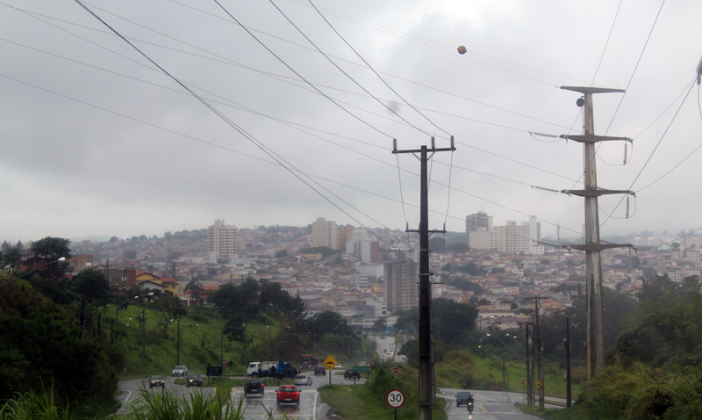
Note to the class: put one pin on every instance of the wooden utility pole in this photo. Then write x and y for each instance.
(593, 247)
(426, 350)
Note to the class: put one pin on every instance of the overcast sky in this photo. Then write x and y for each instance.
(97, 140)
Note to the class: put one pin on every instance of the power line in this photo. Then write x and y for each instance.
(692, 84)
(635, 67)
(342, 70)
(373, 70)
(375, 27)
(298, 74)
(604, 50)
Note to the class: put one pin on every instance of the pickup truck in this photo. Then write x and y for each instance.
(350, 374)
(288, 394)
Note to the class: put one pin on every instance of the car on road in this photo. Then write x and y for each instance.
(320, 371)
(350, 374)
(254, 386)
(194, 380)
(303, 380)
(157, 381)
(288, 394)
(463, 398)
(180, 371)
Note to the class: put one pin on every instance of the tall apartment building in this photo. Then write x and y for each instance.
(401, 286)
(324, 233)
(343, 235)
(365, 250)
(515, 239)
(479, 232)
(221, 240)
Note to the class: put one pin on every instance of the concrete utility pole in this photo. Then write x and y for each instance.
(593, 247)
(538, 353)
(426, 350)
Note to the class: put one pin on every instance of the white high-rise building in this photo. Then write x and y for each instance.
(516, 239)
(221, 240)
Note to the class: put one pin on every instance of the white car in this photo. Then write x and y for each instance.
(303, 380)
(180, 371)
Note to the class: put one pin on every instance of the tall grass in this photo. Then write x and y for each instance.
(168, 405)
(43, 406)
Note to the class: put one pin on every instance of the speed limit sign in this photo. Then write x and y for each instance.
(395, 398)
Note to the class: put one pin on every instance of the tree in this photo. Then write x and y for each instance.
(47, 250)
(130, 254)
(93, 285)
(12, 257)
(437, 244)
(381, 324)
(196, 291)
(451, 320)
(282, 253)
(458, 247)
(407, 320)
(168, 236)
(169, 308)
(113, 239)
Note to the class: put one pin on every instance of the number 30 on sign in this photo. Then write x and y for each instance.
(395, 398)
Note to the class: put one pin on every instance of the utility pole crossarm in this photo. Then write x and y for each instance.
(591, 138)
(586, 89)
(596, 193)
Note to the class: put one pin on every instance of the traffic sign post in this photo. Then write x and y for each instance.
(396, 370)
(329, 363)
(395, 399)
(523, 382)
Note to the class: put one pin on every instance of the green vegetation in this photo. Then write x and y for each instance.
(367, 401)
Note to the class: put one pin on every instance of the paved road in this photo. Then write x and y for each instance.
(311, 407)
(131, 392)
(490, 405)
(385, 347)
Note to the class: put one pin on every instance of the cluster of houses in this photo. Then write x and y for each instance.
(355, 290)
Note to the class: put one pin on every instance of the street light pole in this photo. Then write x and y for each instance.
(246, 356)
(178, 345)
(268, 334)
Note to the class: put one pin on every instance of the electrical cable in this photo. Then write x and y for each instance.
(343, 72)
(298, 74)
(692, 84)
(635, 67)
(196, 96)
(373, 70)
(606, 43)
(451, 47)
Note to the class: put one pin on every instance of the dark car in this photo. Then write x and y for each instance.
(157, 381)
(320, 371)
(194, 380)
(350, 374)
(463, 398)
(254, 386)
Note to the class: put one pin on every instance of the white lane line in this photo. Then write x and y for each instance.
(129, 394)
(314, 406)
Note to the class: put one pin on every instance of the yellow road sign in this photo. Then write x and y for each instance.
(329, 363)
(539, 384)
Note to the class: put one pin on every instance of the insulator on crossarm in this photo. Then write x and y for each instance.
(625, 151)
(627, 205)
